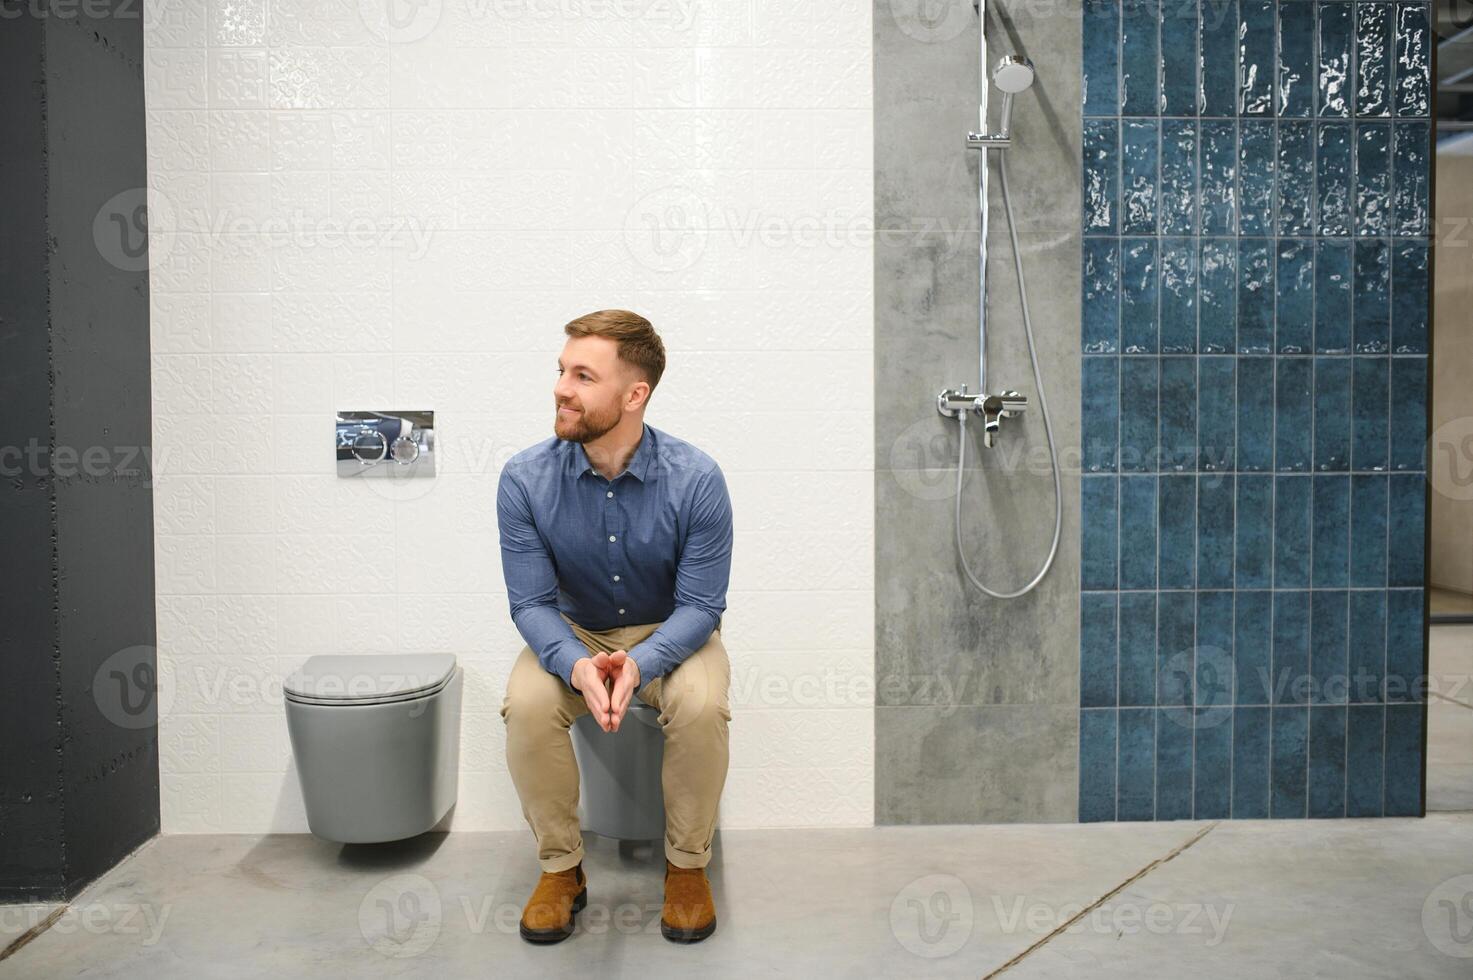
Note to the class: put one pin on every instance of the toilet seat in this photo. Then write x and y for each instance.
(365, 679)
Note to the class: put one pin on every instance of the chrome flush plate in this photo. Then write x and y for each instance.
(385, 444)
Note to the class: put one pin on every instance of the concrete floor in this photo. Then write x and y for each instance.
(1341, 898)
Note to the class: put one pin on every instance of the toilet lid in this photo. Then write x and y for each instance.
(369, 676)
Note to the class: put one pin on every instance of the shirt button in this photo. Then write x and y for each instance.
(616, 578)
(609, 494)
(621, 612)
(611, 537)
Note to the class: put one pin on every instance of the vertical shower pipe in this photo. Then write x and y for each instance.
(982, 168)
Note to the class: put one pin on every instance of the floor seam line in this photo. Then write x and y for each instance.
(1105, 898)
(25, 938)
(20, 942)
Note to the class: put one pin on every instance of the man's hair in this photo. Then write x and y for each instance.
(639, 345)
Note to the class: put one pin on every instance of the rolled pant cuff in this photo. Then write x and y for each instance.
(686, 859)
(563, 862)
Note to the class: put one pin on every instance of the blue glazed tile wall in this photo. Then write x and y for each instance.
(1254, 385)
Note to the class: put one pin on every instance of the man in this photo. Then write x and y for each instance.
(616, 546)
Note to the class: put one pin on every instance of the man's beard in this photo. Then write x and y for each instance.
(585, 426)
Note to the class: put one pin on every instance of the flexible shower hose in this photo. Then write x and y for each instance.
(1048, 427)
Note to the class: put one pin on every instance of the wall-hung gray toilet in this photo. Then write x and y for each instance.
(376, 738)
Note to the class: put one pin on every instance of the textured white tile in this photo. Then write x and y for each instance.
(799, 680)
(483, 748)
(301, 140)
(176, 78)
(237, 22)
(799, 621)
(238, 78)
(187, 625)
(365, 624)
(183, 444)
(189, 803)
(301, 202)
(331, 322)
(240, 140)
(246, 624)
(360, 139)
(292, 24)
(241, 384)
(247, 798)
(305, 625)
(189, 744)
(771, 797)
(179, 323)
(240, 322)
(244, 504)
(254, 743)
(240, 684)
(779, 23)
(838, 738)
(354, 218)
(245, 563)
(239, 201)
(182, 383)
(173, 23)
(328, 78)
(185, 505)
(178, 139)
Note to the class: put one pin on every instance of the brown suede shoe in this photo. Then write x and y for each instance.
(690, 912)
(548, 917)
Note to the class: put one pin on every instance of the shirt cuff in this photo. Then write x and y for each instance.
(563, 659)
(645, 660)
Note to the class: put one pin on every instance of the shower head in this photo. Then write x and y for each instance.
(1013, 74)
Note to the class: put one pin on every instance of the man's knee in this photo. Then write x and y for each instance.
(696, 691)
(532, 693)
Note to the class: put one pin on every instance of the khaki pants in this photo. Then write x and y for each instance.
(694, 711)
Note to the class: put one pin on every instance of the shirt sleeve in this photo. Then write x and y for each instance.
(531, 583)
(701, 578)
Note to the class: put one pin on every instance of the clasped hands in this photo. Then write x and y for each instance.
(607, 682)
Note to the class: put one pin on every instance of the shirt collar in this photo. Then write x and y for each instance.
(639, 463)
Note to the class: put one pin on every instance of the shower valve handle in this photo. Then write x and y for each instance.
(1004, 405)
(1011, 403)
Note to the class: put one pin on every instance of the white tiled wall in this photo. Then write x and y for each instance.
(356, 211)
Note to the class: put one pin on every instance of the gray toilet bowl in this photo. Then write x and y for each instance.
(619, 789)
(376, 739)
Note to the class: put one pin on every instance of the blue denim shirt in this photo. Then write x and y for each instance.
(651, 545)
